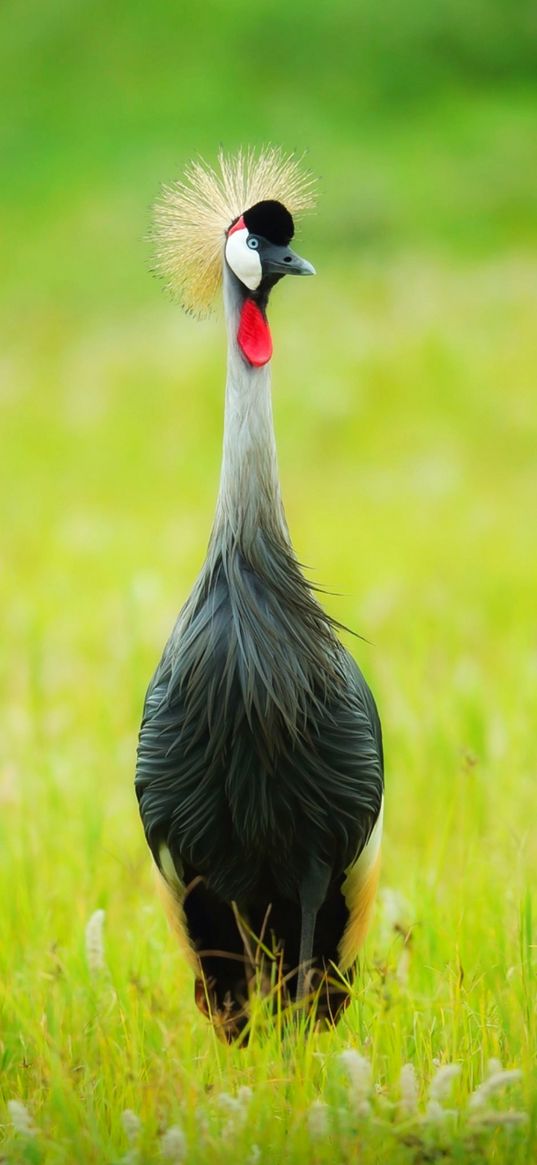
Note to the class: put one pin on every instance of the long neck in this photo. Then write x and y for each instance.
(249, 496)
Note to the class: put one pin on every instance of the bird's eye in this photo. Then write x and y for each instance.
(252, 242)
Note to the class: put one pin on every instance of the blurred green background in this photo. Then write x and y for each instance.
(419, 117)
(406, 422)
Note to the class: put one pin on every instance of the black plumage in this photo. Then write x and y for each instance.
(260, 767)
(271, 220)
(260, 759)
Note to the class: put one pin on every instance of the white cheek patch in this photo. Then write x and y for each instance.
(244, 262)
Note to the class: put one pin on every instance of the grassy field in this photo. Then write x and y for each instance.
(406, 422)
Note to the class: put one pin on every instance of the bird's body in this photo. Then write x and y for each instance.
(259, 777)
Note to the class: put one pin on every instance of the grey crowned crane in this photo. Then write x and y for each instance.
(260, 770)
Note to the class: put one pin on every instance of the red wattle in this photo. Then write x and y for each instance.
(254, 338)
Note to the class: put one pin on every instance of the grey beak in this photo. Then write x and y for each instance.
(303, 266)
(277, 260)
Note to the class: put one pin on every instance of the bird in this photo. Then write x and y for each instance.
(260, 773)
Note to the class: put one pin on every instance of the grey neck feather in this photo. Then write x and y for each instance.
(249, 497)
(251, 601)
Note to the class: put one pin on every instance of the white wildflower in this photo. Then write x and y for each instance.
(237, 1109)
(493, 1066)
(229, 1103)
(409, 1090)
(173, 1144)
(21, 1119)
(95, 943)
(358, 1070)
(244, 1096)
(442, 1080)
(318, 1119)
(435, 1112)
(255, 1155)
(132, 1125)
(494, 1083)
(500, 1118)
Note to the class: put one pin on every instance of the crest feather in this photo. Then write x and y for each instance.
(191, 216)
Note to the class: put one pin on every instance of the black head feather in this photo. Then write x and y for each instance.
(271, 220)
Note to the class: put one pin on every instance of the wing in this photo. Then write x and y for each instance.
(349, 763)
(361, 874)
(183, 748)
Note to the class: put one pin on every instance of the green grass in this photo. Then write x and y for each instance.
(406, 422)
